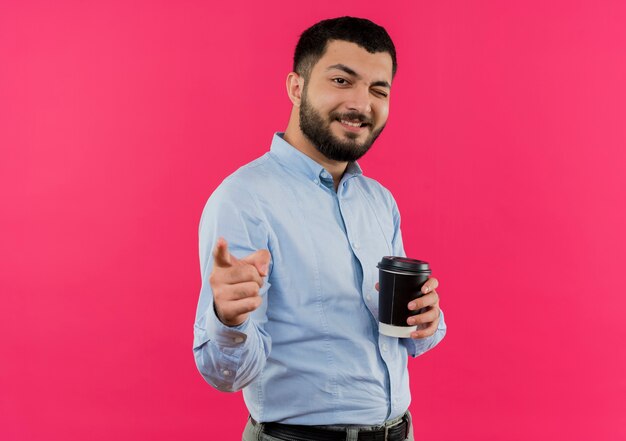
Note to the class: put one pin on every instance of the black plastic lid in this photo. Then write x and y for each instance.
(393, 263)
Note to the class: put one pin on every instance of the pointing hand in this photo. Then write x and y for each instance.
(236, 283)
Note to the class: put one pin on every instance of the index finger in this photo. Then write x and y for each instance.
(221, 255)
(430, 285)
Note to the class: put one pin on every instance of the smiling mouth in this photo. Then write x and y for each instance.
(353, 124)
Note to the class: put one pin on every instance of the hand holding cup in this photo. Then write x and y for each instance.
(427, 320)
(408, 301)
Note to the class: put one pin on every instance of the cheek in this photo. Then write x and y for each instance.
(383, 113)
(327, 104)
(327, 99)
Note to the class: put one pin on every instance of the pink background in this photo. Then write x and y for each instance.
(505, 150)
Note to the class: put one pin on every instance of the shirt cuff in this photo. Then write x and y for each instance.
(417, 347)
(223, 335)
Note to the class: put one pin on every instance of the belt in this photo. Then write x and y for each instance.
(289, 432)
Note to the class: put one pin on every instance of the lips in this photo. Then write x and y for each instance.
(353, 125)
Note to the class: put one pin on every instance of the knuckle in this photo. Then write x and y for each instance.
(212, 279)
(250, 272)
(240, 291)
(253, 303)
(218, 293)
(252, 290)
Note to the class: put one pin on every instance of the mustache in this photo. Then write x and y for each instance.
(351, 116)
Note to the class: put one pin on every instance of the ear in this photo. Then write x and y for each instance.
(295, 84)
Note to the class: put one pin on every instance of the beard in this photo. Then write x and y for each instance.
(319, 132)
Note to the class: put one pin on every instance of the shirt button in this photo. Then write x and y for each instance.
(238, 339)
(384, 347)
(355, 245)
(368, 298)
(226, 372)
(316, 181)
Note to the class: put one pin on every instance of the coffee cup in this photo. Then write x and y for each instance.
(400, 282)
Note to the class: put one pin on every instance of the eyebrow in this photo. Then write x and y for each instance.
(350, 71)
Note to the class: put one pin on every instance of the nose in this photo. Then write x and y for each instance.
(360, 100)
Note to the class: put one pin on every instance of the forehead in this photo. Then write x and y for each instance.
(375, 67)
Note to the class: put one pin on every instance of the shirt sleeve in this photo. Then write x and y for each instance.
(415, 347)
(229, 358)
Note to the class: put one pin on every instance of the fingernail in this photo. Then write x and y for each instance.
(425, 289)
(411, 305)
(264, 268)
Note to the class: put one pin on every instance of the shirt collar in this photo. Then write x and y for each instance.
(294, 159)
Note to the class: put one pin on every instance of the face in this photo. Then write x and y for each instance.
(345, 103)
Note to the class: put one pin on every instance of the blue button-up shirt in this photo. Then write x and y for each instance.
(311, 353)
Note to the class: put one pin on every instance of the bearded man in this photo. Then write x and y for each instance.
(288, 249)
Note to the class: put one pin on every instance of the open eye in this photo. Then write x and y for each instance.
(341, 81)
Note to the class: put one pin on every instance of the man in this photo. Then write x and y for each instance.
(288, 249)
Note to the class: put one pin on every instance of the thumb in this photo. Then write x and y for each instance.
(222, 256)
(260, 259)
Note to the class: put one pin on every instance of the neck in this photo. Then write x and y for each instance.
(295, 137)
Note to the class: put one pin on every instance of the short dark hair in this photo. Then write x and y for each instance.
(365, 33)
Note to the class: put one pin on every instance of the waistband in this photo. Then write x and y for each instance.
(393, 430)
